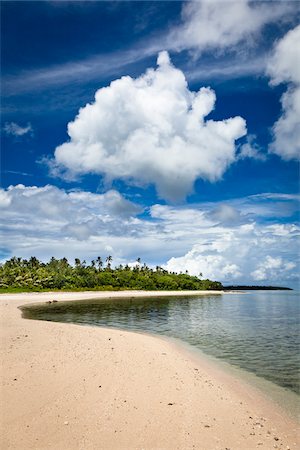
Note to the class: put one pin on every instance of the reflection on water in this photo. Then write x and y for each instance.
(258, 331)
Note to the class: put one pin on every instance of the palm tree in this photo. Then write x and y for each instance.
(108, 261)
(33, 262)
(100, 263)
(138, 260)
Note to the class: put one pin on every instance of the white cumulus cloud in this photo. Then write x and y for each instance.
(270, 268)
(248, 252)
(151, 130)
(211, 266)
(284, 67)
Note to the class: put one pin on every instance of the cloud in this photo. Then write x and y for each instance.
(209, 25)
(249, 252)
(49, 211)
(276, 196)
(47, 221)
(229, 241)
(226, 67)
(204, 25)
(214, 267)
(151, 130)
(84, 70)
(226, 214)
(222, 240)
(14, 129)
(5, 199)
(17, 172)
(73, 76)
(269, 206)
(271, 268)
(250, 149)
(284, 67)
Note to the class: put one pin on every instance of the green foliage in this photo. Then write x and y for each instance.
(20, 275)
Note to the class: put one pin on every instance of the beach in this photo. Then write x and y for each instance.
(66, 386)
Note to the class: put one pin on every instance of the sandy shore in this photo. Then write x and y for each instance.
(69, 387)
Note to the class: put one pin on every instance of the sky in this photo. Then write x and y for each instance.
(162, 130)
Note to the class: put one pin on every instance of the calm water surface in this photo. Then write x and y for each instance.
(257, 331)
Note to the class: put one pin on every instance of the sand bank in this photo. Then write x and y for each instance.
(69, 387)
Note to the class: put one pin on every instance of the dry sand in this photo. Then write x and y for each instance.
(69, 387)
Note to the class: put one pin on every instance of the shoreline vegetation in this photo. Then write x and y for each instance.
(21, 275)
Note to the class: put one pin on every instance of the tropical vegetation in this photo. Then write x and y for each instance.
(19, 275)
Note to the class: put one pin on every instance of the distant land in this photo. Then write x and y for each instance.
(257, 288)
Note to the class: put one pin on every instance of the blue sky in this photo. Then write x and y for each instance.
(188, 155)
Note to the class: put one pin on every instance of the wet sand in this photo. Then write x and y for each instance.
(72, 387)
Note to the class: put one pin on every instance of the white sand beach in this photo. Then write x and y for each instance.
(69, 387)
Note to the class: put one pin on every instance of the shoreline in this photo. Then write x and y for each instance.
(82, 295)
(286, 400)
(153, 394)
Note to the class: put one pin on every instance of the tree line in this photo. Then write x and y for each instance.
(18, 274)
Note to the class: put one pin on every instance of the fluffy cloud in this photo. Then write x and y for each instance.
(270, 268)
(284, 64)
(230, 241)
(211, 266)
(250, 149)
(284, 67)
(14, 129)
(221, 25)
(151, 130)
(49, 212)
(5, 198)
(249, 252)
(47, 221)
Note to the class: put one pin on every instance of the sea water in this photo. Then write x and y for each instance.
(257, 330)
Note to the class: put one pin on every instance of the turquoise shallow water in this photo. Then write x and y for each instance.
(257, 331)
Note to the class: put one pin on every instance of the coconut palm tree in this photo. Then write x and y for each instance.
(108, 261)
(99, 263)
